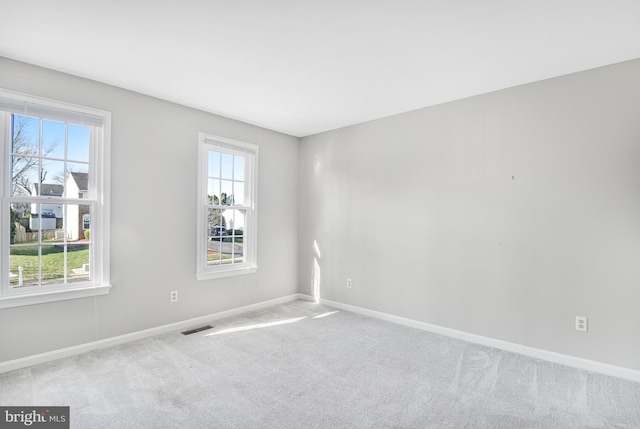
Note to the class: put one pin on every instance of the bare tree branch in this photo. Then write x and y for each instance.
(25, 160)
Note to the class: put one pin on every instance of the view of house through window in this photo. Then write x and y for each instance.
(228, 205)
(225, 198)
(50, 168)
(54, 221)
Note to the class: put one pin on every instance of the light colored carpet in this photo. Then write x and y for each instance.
(340, 370)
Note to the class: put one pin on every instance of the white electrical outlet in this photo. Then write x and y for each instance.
(349, 283)
(581, 323)
(174, 296)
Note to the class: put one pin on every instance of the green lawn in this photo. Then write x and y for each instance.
(216, 259)
(52, 262)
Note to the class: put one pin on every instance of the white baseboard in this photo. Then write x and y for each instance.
(576, 362)
(306, 297)
(589, 365)
(138, 335)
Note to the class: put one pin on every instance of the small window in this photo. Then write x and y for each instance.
(86, 221)
(51, 148)
(226, 215)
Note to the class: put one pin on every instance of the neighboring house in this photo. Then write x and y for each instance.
(79, 218)
(49, 214)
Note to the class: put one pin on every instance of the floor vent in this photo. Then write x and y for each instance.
(193, 331)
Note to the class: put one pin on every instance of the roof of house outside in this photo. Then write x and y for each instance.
(82, 180)
(49, 189)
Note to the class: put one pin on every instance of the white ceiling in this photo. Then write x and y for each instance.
(305, 66)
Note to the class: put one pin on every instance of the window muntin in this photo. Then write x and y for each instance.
(54, 157)
(227, 207)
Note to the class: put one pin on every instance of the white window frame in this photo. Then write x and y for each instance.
(99, 122)
(249, 265)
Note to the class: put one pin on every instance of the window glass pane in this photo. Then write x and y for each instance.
(42, 221)
(214, 252)
(238, 250)
(20, 210)
(238, 193)
(24, 175)
(52, 139)
(52, 263)
(24, 266)
(226, 192)
(235, 219)
(76, 217)
(51, 220)
(213, 192)
(25, 136)
(215, 219)
(238, 168)
(25, 148)
(214, 163)
(20, 224)
(52, 178)
(227, 166)
(217, 230)
(234, 249)
(16, 231)
(78, 143)
(78, 263)
(77, 180)
(236, 230)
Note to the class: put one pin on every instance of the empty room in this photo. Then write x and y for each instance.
(305, 214)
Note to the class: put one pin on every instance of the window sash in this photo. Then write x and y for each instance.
(249, 237)
(99, 123)
(45, 285)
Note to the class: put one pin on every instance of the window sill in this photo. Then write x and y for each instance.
(52, 296)
(208, 275)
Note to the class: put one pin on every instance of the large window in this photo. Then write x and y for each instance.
(54, 177)
(227, 173)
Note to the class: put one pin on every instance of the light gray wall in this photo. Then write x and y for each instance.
(153, 177)
(503, 215)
